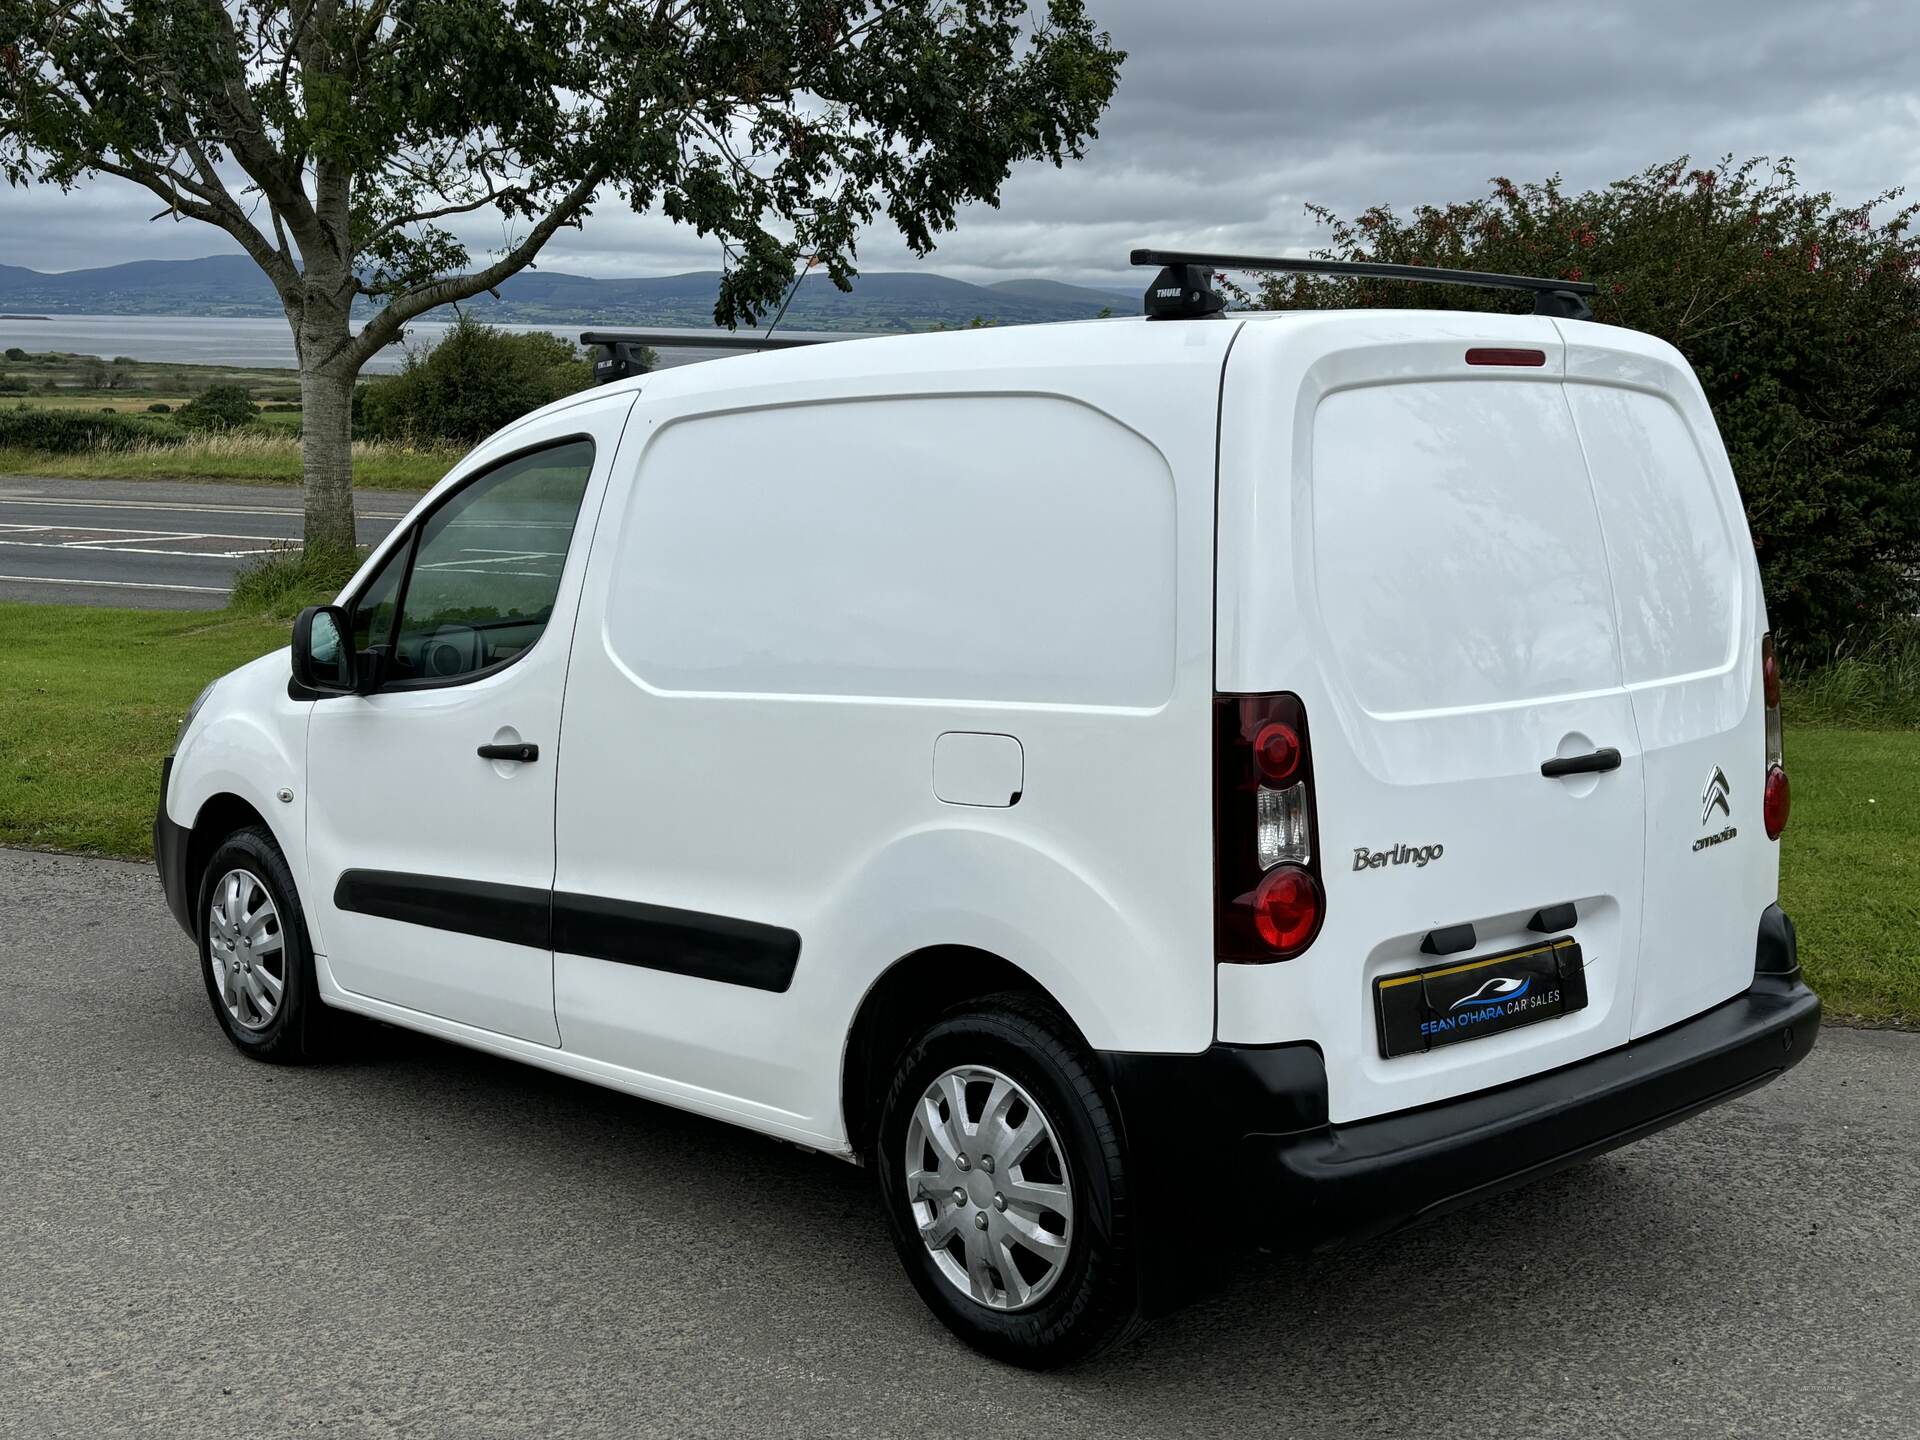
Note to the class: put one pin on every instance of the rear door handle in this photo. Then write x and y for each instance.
(525, 754)
(1597, 763)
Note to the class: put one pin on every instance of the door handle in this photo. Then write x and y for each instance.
(1597, 763)
(525, 754)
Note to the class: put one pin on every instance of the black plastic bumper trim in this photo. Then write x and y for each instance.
(1250, 1124)
(170, 844)
(1373, 1176)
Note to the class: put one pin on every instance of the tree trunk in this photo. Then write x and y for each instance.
(326, 451)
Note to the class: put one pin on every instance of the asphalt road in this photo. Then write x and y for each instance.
(155, 545)
(428, 1242)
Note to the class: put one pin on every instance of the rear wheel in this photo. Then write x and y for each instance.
(254, 954)
(1001, 1170)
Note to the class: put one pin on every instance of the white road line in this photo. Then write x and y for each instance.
(147, 537)
(183, 507)
(486, 557)
(74, 549)
(111, 584)
(142, 530)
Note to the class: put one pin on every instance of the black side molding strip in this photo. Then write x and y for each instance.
(517, 914)
(626, 932)
(681, 942)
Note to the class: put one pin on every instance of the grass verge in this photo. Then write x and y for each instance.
(1850, 874)
(89, 702)
(90, 699)
(253, 456)
(1872, 680)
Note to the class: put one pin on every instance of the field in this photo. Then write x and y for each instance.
(256, 455)
(52, 377)
(90, 699)
(266, 451)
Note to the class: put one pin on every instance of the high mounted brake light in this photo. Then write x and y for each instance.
(1182, 291)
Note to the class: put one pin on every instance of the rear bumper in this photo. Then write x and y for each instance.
(170, 856)
(1298, 1180)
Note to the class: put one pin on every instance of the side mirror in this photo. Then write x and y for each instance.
(323, 658)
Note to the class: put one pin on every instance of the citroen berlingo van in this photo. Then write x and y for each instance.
(1140, 787)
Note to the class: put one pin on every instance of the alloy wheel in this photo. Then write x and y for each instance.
(246, 949)
(988, 1185)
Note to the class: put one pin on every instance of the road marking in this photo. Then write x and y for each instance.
(154, 530)
(100, 547)
(148, 537)
(111, 584)
(184, 507)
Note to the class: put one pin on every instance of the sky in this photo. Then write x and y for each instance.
(1232, 115)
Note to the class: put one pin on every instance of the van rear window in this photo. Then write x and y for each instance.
(1676, 571)
(1458, 560)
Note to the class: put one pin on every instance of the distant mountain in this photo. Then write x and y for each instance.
(231, 285)
(217, 285)
(1124, 302)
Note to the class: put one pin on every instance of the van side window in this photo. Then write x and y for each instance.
(487, 566)
(373, 608)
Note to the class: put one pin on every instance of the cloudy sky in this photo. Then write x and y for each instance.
(1233, 114)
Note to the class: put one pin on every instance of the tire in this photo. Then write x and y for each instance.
(1010, 1054)
(249, 906)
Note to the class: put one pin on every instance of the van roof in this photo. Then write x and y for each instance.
(1020, 354)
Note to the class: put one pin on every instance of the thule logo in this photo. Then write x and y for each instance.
(1716, 795)
(1171, 292)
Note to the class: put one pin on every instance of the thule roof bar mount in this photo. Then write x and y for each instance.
(618, 354)
(1183, 290)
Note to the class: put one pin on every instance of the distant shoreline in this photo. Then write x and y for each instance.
(26, 317)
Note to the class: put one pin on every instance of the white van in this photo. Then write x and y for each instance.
(1139, 785)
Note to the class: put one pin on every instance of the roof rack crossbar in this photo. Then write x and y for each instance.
(1563, 299)
(619, 353)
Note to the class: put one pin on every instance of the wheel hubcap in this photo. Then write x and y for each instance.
(988, 1185)
(246, 950)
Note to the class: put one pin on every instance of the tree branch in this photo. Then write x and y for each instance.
(419, 217)
(245, 135)
(384, 328)
(168, 184)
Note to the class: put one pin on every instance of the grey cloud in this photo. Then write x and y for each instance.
(1231, 116)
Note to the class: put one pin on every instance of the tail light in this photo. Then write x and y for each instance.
(1776, 800)
(1268, 899)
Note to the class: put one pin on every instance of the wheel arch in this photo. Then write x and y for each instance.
(219, 816)
(906, 996)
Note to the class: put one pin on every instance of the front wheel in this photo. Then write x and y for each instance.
(254, 954)
(1001, 1169)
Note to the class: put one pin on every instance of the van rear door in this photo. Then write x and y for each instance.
(1689, 607)
(1409, 542)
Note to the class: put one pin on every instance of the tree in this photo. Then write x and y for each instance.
(334, 140)
(471, 383)
(1800, 316)
(219, 407)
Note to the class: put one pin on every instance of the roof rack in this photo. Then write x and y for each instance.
(1183, 289)
(618, 353)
